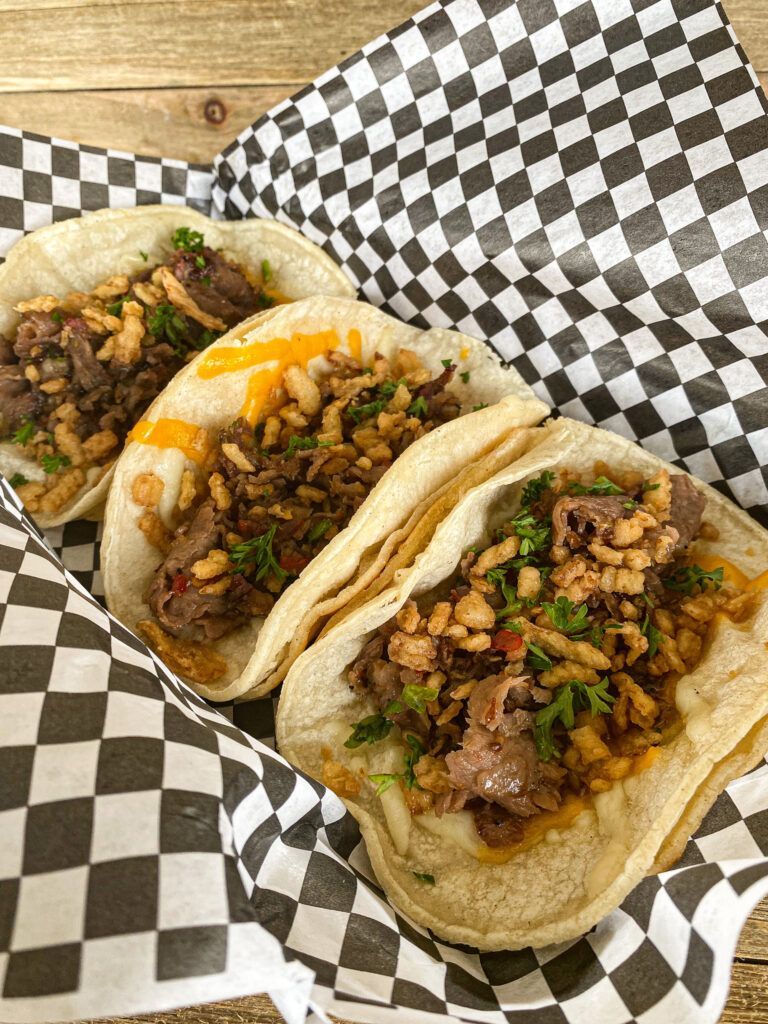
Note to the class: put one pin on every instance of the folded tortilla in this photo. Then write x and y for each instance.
(584, 866)
(79, 254)
(430, 474)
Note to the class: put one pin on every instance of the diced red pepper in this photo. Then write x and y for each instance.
(180, 584)
(507, 641)
(293, 562)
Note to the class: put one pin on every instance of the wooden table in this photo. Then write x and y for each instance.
(181, 78)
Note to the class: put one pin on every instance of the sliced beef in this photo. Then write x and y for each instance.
(7, 355)
(686, 509)
(589, 516)
(499, 770)
(179, 607)
(87, 371)
(17, 401)
(486, 702)
(35, 329)
(217, 287)
(496, 827)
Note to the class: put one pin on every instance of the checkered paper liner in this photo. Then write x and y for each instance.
(585, 184)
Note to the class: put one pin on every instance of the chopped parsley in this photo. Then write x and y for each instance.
(655, 636)
(25, 433)
(303, 444)
(257, 553)
(200, 262)
(266, 271)
(481, 405)
(116, 308)
(563, 616)
(166, 323)
(368, 730)
(53, 463)
(57, 317)
(534, 533)
(423, 877)
(465, 376)
(596, 635)
(417, 697)
(498, 577)
(17, 480)
(534, 489)
(394, 708)
(187, 239)
(144, 255)
(363, 412)
(568, 699)
(206, 281)
(447, 363)
(602, 485)
(419, 407)
(266, 301)
(206, 338)
(650, 487)
(630, 505)
(537, 659)
(685, 579)
(319, 530)
(389, 387)
(411, 757)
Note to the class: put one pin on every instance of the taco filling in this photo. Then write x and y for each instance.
(548, 665)
(276, 494)
(81, 370)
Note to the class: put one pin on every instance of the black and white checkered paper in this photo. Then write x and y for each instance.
(586, 185)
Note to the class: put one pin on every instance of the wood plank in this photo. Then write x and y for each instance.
(189, 124)
(748, 999)
(185, 42)
(750, 20)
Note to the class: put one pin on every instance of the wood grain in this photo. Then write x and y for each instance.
(181, 78)
(184, 42)
(189, 124)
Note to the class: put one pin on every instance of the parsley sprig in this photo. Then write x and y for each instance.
(534, 489)
(25, 433)
(187, 239)
(257, 553)
(369, 730)
(655, 636)
(690, 576)
(564, 617)
(602, 485)
(568, 699)
(364, 412)
(303, 444)
(166, 323)
(53, 463)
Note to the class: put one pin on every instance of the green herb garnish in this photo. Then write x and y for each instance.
(602, 485)
(369, 730)
(447, 363)
(57, 317)
(630, 505)
(266, 271)
(465, 376)
(206, 281)
(655, 636)
(422, 877)
(266, 301)
(419, 407)
(650, 487)
(116, 308)
(363, 412)
(52, 463)
(567, 700)
(319, 530)
(481, 405)
(144, 255)
(685, 579)
(534, 533)
(534, 489)
(537, 659)
(303, 444)
(563, 616)
(411, 757)
(187, 239)
(498, 577)
(417, 697)
(17, 480)
(25, 433)
(166, 322)
(206, 338)
(200, 262)
(389, 387)
(257, 553)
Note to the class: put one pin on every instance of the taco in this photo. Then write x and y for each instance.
(275, 476)
(545, 702)
(98, 313)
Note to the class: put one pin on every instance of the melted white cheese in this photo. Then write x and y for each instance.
(694, 709)
(611, 808)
